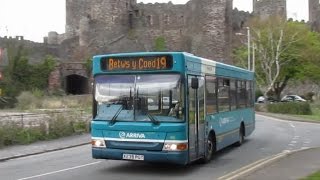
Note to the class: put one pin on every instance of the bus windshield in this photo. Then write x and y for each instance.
(147, 97)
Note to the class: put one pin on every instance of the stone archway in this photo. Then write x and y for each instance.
(76, 85)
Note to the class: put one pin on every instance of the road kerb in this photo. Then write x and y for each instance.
(41, 152)
(254, 166)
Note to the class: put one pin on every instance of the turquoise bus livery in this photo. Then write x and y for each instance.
(171, 107)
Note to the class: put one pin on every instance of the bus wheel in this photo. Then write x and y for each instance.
(241, 136)
(210, 149)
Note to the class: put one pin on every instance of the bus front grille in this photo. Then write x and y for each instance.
(151, 146)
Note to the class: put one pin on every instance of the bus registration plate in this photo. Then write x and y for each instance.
(133, 157)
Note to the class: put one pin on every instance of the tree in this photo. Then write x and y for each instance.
(22, 76)
(40, 74)
(280, 52)
(160, 44)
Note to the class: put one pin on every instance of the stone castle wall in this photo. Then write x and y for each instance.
(314, 14)
(202, 27)
(36, 52)
(265, 8)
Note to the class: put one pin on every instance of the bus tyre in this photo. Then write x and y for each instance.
(210, 149)
(241, 136)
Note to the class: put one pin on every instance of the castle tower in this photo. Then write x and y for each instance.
(314, 14)
(103, 13)
(211, 27)
(265, 8)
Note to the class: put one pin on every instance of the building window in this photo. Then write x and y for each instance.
(166, 19)
(149, 20)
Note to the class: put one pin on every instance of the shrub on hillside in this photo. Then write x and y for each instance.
(26, 100)
(300, 108)
(262, 107)
(7, 102)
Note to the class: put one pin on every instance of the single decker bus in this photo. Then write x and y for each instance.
(171, 107)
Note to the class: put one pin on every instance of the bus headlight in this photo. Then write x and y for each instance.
(98, 143)
(175, 146)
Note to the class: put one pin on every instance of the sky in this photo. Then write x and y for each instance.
(33, 19)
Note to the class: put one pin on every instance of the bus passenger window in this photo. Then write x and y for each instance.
(242, 94)
(233, 94)
(249, 88)
(211, 95)
(223, 95)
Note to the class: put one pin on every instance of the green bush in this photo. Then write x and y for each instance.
(30, 135)
(60, 127)
(7, 102)
(8, 133)
(80, 127)
(262, 107)
(26, 100)
(37, 93)
(11, 134)
(160, 44)
(300, 108)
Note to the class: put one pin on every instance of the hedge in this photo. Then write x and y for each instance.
(299, 108)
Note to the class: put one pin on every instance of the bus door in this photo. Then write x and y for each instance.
(196, 116)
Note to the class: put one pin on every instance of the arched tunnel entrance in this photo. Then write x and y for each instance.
(76, 85)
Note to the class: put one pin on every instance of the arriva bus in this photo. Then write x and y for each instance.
(170, 107)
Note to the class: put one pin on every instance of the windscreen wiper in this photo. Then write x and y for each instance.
(153, 120)
(113, 120)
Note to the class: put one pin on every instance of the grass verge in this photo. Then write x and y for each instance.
(315, 114)
(314, 176)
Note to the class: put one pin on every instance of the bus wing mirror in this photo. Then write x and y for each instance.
(194, 83)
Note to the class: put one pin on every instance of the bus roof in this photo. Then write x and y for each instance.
(138, 54)
(185, 54)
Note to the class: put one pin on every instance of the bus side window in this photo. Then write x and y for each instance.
(249, 94)
(211, 94)
(223, 94)
(242, 94)
(233, 94)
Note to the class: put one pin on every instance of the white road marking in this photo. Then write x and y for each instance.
(293, 142)
(296, 137)
(291, 145)
(307, 142)
(286, 151)
(305, 147)
(62, 170)
(251, 167)
(292, 125)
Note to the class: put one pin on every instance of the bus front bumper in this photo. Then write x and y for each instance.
(173, 157)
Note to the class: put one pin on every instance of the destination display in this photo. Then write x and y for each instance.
(137, 63)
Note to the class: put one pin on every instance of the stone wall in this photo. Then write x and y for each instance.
(314, 14)
(36, 52)
(202, 27)
(265, 8)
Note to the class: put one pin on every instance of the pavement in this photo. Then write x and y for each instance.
(18, 151)
(286, 165)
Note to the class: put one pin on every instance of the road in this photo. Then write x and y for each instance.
(270, 137)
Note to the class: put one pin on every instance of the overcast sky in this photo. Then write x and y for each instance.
(33, 19)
